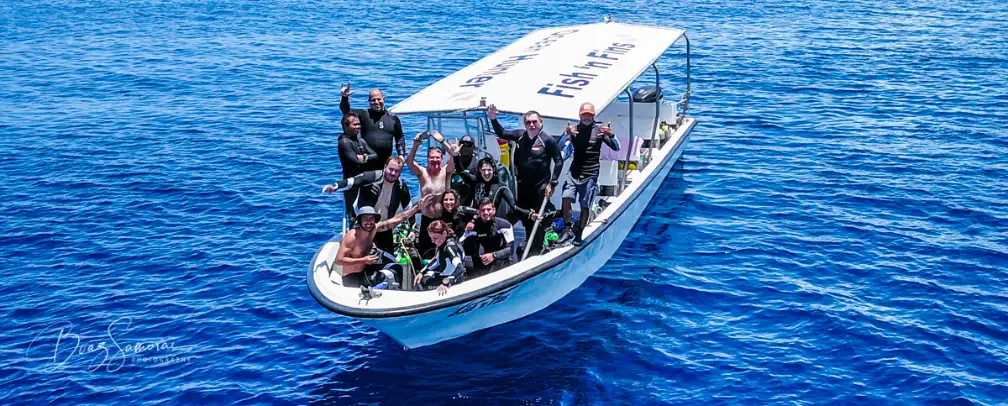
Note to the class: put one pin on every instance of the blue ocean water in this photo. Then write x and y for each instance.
(835, 233)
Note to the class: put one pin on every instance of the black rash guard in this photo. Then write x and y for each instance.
(379, 129)
(587, 150)
(533, 156)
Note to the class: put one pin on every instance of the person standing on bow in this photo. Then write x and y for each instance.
(353, 153)
(434, 180)
(379, 128)
(586, 138)
(382, 190)
(535, 152)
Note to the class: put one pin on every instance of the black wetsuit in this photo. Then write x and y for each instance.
(349, 147)
(494, 237)
(501, 195)
(459, 183)
(532, 166)
(379, 129)
(366, 189)
(458, 219)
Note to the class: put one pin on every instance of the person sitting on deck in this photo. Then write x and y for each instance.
(455, 215)
(361, 265)
(447, 267)
(434, 180)
(491, 234)
(587, 139)
(383, 190)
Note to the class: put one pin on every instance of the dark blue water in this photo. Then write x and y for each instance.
(836, 232)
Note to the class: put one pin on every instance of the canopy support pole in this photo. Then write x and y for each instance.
(657, 115)
(626, 162)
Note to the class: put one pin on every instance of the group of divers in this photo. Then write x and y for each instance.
(465, 227)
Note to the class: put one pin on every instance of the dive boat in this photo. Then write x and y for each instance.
(553, 71)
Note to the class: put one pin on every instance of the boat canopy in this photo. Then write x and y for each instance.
(551, 70)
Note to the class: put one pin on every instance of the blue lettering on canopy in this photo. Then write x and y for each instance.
(528, 53)
(599, 59)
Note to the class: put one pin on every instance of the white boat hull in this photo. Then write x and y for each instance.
(535, 293)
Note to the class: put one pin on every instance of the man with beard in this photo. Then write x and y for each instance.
(382, 190)
(379, 128)
(360, 266)
(587, 138)
(493, 235)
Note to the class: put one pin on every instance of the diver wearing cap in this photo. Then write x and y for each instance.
(360, 265)
(465, 163)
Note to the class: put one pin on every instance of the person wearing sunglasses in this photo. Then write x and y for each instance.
(535, 152)
(379, 128)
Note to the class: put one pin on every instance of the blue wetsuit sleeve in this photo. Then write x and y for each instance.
(612, 142)
(554, 152)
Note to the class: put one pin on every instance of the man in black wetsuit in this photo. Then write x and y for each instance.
(353, 153)
(535, 151)
(465, 163)
(491, 233)
(587, 138)
(383, 190)
(379, 128)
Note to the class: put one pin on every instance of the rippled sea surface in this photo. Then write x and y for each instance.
(835, 232)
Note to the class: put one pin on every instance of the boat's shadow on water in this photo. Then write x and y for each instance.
(552, 351)
(533, 355)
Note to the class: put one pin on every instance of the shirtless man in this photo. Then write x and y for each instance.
(434, 180)
(360, 268)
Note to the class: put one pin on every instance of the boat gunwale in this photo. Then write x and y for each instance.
(431, 306)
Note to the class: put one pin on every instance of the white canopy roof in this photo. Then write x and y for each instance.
(551, 70)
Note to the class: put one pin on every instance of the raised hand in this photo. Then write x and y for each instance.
(470, 226)
(345, 90)
(492, 112)
(437, 136)
(419, 137)
(571, 129)
(427, 200)
(607, 130)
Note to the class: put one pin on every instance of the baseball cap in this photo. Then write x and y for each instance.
(587, 108)
(467, 139)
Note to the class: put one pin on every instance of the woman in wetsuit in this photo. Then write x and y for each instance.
(447, 268)
(486, 184)
(456, 216)
(434, 180)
